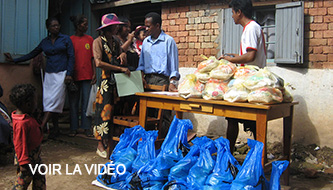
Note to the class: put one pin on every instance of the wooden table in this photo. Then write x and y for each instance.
(255, 112)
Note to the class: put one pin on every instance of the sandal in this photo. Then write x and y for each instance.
(101, 154)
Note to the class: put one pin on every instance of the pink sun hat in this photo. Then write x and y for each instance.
(109, 19)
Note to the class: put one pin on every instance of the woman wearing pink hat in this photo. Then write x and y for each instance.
(108, 56)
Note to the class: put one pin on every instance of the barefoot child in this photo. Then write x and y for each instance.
(27, 136)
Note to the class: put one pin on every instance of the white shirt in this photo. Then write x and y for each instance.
(253, 38)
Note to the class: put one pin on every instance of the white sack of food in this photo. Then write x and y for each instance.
(202, 77)
(287, 97)
(237, 93)
(264, 78)
(245, 71)
(215, 89)
(265, 95)
(190, 87)
(224, 71)
(208, 64)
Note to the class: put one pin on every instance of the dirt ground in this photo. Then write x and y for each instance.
(81, 150)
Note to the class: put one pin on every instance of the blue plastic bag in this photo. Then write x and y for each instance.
(277, 169)
(203, 167)
(146, 150)
(123, 155)
(251, 175)
(179, 172)
(129, 138)
(225, 169)
(155, 172)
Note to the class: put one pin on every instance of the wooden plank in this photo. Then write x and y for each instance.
(143, 112)
(119, 3)
(200, 100)
(198, 107)
(287, 139)
(261, 133)
(278, 111)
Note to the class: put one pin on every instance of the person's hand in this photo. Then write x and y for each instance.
(93, 80)
(68, 79)
(123, 58)
(172, 88)
(130, 36)
(126, 71)
(144, 82)
(8, 57)
(227, 57)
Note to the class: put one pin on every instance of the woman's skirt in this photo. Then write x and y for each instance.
(54, 92)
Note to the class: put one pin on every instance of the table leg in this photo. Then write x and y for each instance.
(262, 133)
(287, 132)
(143, 112)
(179, 115)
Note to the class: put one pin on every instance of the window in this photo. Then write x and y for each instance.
(283, 27)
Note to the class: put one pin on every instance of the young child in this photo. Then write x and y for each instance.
(140, 35)
(27, 136)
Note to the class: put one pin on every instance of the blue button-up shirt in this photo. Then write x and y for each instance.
(159, 56)
(60, 55)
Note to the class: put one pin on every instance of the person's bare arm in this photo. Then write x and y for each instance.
(129, 41)
(248, 57)
(93, 65)
(107, 66)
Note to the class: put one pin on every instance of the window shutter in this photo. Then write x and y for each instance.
(289, 33)
(22, 25)
(231, 33)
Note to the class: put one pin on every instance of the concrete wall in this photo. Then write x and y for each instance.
(312, 116)
(196, 25)
(11, 74)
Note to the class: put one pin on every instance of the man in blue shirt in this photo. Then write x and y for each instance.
(159, 54)
(159, 61)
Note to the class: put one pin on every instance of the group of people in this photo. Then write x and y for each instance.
(71, 63)
(73, 60)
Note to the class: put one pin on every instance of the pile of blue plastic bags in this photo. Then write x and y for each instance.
(207, 164)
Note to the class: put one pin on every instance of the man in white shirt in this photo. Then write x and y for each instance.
(252, 52)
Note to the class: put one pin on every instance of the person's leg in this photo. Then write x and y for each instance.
(85, 120)
(74, 97)
(232, 133)
(46, 118)
(55, 121)
(39, 181)
(23, 179)
(166, 114)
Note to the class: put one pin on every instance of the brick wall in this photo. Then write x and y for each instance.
(318, 36)
(194, 25)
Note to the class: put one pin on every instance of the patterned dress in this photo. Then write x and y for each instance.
(106, 93)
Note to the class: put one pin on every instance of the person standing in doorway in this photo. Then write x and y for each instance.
(59, 52)
(84, 75)
(252, 52)
(159, 61)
